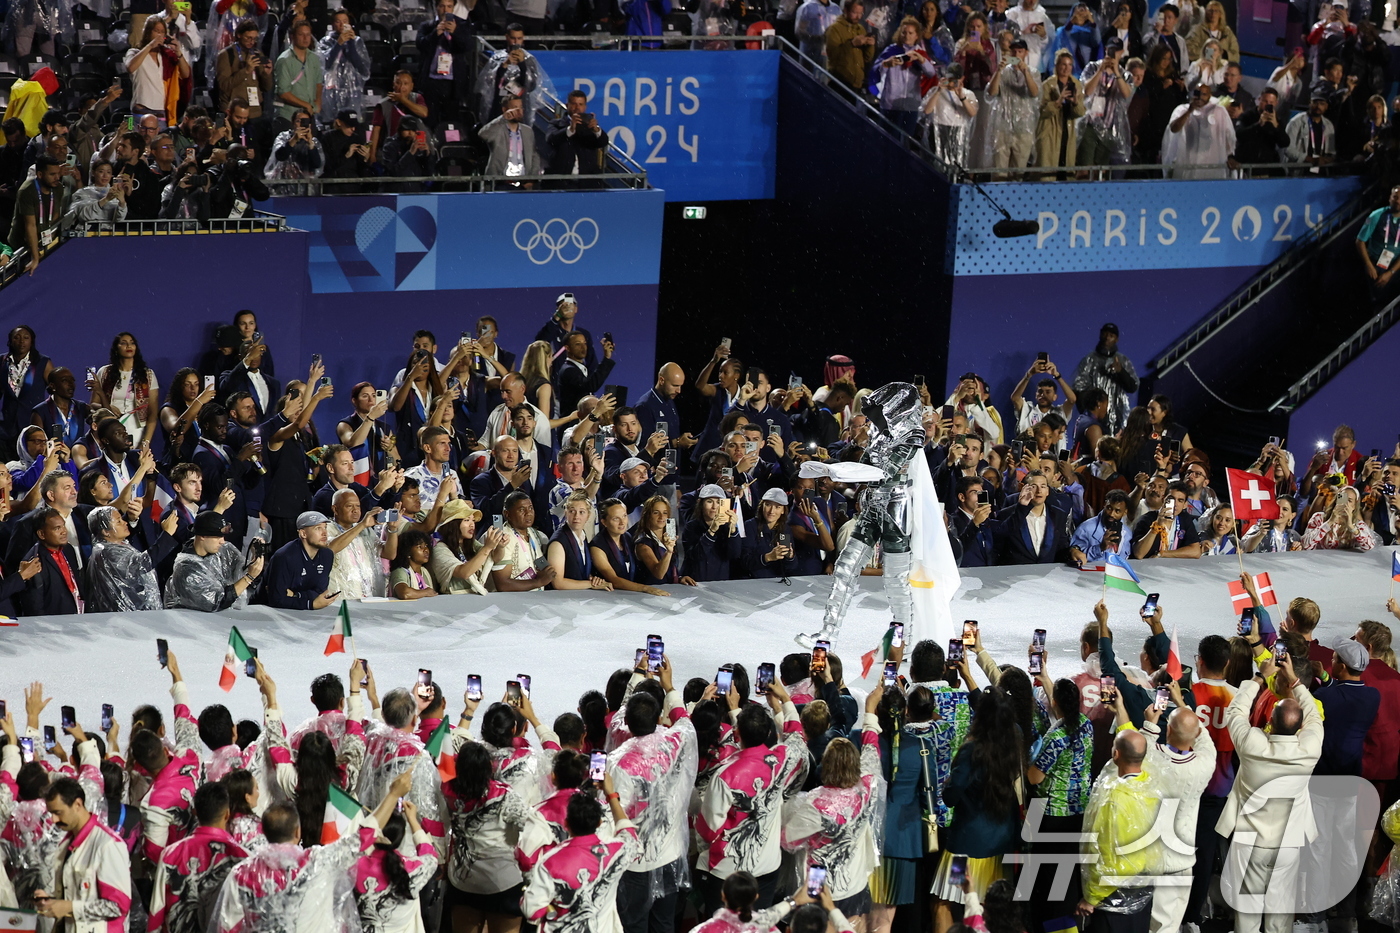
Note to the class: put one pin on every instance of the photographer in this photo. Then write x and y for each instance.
(242, 72)
(187, 195)
(446, 45)
(1258, 136)
(347, 153)
(235, 184)
(296, 153)
(899, 72)
(578, 145)
(157, 69)
(410, 153)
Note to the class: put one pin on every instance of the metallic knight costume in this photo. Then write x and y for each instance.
(895, 411)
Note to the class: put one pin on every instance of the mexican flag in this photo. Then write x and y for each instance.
(336, 644)
(1119, 576)
(341, 810)
(438, 750)
(237, 653)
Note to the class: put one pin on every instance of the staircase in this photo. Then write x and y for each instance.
(1236, 374)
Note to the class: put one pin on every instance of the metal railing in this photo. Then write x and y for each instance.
(388, 184)
(1138, 171)
(261, 222)
(15, 267)
(1311, 244)
(1350, 348)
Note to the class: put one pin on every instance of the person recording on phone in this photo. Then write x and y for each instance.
(1169, 531)
(578, 145)
(574, 376)
(119, 577)
(296, 153)
(347, 152)
(209, 573)
(243, 74)
(409, 154)
(1105, 533)
(508, 475)
(972, 523)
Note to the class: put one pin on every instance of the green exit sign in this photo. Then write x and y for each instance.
(693, 213)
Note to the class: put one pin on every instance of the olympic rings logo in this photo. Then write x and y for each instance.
(556, 239)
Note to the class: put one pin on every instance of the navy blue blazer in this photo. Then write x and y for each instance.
(47, 593)
(978, 542)
(1013, 537)
(578, 563)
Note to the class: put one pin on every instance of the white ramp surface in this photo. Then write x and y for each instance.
(569, 642)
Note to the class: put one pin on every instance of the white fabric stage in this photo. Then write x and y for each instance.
(570, 642)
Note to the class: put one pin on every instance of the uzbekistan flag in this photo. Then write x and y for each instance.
(237, 652)
(164, 499)
(336, 644)
(341, 811)
(437, 749)
(360, 455)
(1119, 576)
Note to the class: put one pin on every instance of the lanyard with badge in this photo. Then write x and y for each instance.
(46, 208)
(1388, 247)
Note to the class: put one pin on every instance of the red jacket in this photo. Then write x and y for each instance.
(1381, 751)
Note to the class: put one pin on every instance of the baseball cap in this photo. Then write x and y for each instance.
(631, 463)
(775, 495)
(1109, 328)
(711, 491)
(310, 520)
(209, 525)
(350, 117)
(567, 296)
(1353, 654)
(1021, 44)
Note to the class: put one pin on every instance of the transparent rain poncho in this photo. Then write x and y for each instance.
(206, 583)
(54, 17)
(653, 775)
(840, 828)
(500, 79)
(284, 888)
(346, 68)
(389, 753)
(119, 577)
(1106, 110)
(1121, 849)
(1385, 899)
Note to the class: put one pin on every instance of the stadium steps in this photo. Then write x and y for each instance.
(1235, 375)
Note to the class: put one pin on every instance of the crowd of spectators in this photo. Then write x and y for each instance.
(203, 124)
(957, 793)
(1000, 86)
(478, 470)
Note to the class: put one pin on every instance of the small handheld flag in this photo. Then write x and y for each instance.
(867, 660)
(439, 749)
(237, 651)
(1174, 657)
(341, 810)
(360, 460)
(1239, 596)
(1119, 576)
(336, 644)
(1395, 565)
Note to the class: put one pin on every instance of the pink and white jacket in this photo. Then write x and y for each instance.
(347, 735)
(283, 888)
(188, 879)
(483, 838)
(390, 752)
(740, 818)
(761, 921)
(167, 809)
(835, 826)
(94, 872)
(572, 887)
(383, 911)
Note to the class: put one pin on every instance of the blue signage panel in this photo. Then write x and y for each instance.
(1141, 224)
(428, 242)
(704, 125)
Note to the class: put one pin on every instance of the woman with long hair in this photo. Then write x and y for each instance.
(767, 540)
(898, 73)
(1137, 448)
(1164, 424)
(316, 771)
(128, 387)
(484, 879)
(387, 884)
(1217, 528)
(612, 552)
(26, 377)
(1338, 524)
(1061, 772)
(460, 562)
(535, 368)
(832, 825)
(413, 403)
(1150, 112)
(180, 412)
(937, 39)
(244, 825)
(655, 546)
(1020, 695)
(1079, 36)
(1208, 69)
(1214, 27)
(1240, 667)
(593, 710)
(910, 738)
(409, 576)
(984, 791)
(976, 54)
(362, 427)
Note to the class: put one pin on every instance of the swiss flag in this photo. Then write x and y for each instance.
(1239, 597)
(1251, 496)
